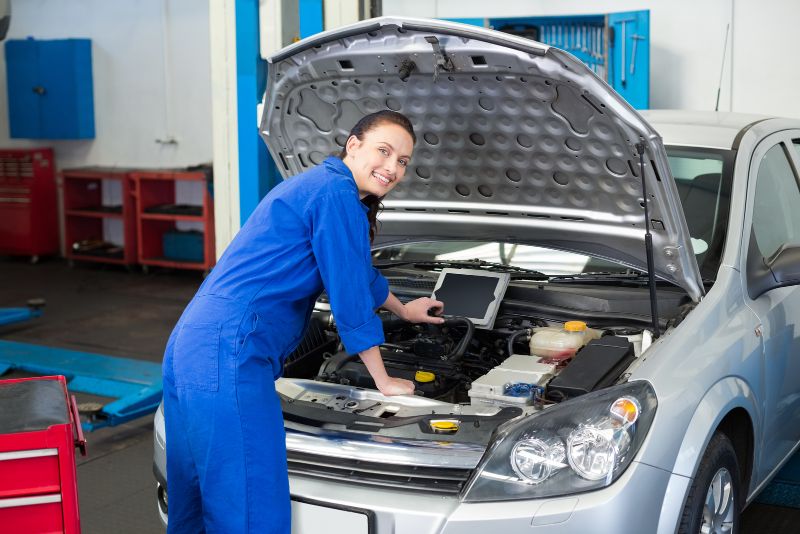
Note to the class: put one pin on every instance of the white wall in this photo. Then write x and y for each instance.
(340, 12)
(151, 78)
(762, 70)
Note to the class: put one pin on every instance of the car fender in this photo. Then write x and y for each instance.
(727, 394)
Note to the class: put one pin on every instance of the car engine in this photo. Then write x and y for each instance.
(446, 361)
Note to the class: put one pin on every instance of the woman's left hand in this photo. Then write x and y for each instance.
(424, 310)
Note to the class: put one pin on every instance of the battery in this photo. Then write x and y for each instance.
(597, 365)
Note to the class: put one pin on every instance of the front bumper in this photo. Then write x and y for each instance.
(638, 503)
(643, 500)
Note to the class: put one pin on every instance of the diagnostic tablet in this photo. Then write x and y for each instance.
(471, 293)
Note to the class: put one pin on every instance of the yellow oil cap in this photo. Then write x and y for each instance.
(574, 326)
(424, 377)
(444, 427)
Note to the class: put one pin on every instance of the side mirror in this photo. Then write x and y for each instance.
(779, 270)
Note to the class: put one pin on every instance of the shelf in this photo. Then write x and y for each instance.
(98, 258)
(94, 213)
(160, 211)
(92, 196)
(89, 175)
(164, 262)
(171, 217)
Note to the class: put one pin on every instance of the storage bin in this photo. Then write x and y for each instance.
(184, 245)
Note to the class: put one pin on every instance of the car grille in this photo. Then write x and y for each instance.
(428, 479)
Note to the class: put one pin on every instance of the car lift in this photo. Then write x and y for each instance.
(135, 384)
(18, 315)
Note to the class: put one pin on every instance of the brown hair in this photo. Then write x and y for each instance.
(365, 124)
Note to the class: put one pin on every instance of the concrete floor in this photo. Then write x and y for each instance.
(109, 310)
(105, 310)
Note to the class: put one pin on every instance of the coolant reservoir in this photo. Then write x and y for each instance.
(561, 343)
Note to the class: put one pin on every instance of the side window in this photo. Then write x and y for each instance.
(776, 210)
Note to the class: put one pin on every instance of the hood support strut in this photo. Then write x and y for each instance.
(648, 245)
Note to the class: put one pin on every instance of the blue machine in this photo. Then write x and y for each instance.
(18, 315)
(136, 384)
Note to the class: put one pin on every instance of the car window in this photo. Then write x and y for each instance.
(703, 179)
(776, 208)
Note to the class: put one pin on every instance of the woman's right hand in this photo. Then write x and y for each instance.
(395, 386)
(385, 383)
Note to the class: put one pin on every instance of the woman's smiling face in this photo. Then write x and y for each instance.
(379, 159)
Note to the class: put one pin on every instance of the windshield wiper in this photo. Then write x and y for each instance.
(601, 275)
(616, 278)
(610, 278)
(516, 272)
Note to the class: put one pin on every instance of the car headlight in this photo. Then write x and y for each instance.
(580, 445)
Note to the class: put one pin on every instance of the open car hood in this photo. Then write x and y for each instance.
(516, 140)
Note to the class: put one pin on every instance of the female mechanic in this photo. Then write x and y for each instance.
(226, 450)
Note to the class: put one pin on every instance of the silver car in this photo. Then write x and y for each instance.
(675, 236)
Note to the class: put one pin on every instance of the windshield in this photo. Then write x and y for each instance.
(549, 261)
(703, 178)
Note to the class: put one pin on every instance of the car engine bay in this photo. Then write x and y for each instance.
(457, 369)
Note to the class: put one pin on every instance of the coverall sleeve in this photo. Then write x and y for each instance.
(340, 242)
(379, 288)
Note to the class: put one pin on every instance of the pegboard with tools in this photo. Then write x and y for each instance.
(616, 46)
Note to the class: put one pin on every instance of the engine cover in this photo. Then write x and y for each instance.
(348, 369)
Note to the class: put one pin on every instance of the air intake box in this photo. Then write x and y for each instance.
(595, 366)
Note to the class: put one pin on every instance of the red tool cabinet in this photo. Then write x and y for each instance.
(28, 216)
(39, 430)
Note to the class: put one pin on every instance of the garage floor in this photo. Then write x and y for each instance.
(105, 310)
(108, 310)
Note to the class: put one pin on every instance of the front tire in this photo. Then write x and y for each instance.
(713, 505)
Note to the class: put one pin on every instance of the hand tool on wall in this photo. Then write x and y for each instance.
(635, 37)
(623, 23)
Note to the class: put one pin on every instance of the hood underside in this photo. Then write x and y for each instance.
(516, 140)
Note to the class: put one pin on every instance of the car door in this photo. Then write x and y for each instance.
(773, 205)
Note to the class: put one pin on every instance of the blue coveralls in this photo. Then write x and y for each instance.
(226, 450)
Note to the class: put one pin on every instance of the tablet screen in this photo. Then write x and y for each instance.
(471, 293)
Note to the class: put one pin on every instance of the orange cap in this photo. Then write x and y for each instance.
(574, 326)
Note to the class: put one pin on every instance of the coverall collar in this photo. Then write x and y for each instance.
(336, 165)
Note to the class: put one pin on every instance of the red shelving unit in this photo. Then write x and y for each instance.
(85, 213)
(28, 214)
(157, 214)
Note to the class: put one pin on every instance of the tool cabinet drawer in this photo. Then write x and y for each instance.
(42, 513)
(29, 472)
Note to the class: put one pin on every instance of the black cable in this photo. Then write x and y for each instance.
(513, 338)
(458, 352)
